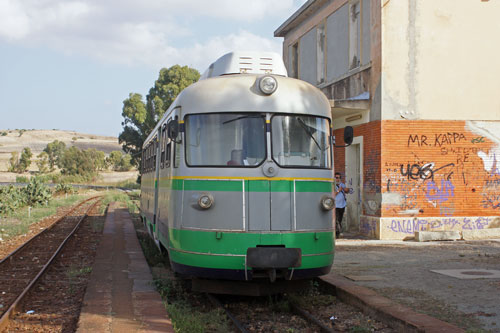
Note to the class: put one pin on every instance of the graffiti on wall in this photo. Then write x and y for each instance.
(411, 225)
(430, 172)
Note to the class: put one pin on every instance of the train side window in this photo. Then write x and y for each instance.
(177, 149)
(155, 149)
(149, 157)
(168, 154)
(163, 145)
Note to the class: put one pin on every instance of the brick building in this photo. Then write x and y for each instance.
(418, 82)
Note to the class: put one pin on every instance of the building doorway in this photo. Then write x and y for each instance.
(353, 180)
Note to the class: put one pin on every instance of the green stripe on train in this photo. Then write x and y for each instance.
(238, 263)
(213, 249)
(250, 185)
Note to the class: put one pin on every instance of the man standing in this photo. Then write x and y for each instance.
(340, 202)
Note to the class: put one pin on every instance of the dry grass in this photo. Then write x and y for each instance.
(37, 140)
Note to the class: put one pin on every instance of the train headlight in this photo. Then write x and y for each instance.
(327, 202)
(205, 201)
(268, 84)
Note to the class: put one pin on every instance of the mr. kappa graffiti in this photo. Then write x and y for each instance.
(439, 139)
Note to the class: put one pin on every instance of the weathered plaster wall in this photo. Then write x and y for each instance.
(365, 31)
(438, 59)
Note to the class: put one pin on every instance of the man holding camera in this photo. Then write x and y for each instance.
(340, 203)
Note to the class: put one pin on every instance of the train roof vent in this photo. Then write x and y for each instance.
(246, 63)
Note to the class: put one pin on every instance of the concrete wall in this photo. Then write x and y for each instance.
(439, 59)
(365, 32)
(307, 57)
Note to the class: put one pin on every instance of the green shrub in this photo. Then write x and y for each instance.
(4, 133)
(37, 193)
(63, 188)
(22, 179)
(11, 198)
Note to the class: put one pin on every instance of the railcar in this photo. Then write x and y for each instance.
(237, 176)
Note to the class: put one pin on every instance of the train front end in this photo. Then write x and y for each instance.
(251, 196)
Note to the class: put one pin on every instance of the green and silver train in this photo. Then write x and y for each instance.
(237, 176)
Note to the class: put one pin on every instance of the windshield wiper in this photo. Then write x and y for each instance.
(308, 131)
(242, 117)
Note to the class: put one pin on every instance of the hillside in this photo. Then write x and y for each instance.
(37, 140)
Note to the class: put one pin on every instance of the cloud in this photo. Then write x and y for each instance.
(204, 54)
(148, 32)
(14, 23)
(233, 10)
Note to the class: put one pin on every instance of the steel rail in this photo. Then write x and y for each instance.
(235, 321)
(4, 319)
(309, 317)
(10, 255)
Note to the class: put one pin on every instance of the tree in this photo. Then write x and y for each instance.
(76, 162)
(114, 159)
(125, 164)
(55, 150)
(43, 162)
(140, 118)
(98, 158)
(25, 160)
(13, 160)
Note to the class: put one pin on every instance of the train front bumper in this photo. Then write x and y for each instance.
(273, 257)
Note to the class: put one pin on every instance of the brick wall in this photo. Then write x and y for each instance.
(440, 168)
(371, 186)
(427, 175)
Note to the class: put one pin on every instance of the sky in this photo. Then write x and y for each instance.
(69, 65)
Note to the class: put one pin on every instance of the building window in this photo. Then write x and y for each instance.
(294, 61)
(320, 53)
(354, 35)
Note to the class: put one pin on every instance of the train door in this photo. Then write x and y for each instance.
(269, 204)
(353, 181)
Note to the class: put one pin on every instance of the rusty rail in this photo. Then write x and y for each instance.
(4, 319)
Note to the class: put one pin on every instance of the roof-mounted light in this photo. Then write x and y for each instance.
(268, 84)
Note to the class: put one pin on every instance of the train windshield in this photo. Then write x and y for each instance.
(301, 141)
(225, 139)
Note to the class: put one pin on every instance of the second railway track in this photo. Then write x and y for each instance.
(23, 267)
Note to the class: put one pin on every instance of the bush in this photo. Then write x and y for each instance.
(22, 179)
(63, 188)
(11, 198)
(37, 193)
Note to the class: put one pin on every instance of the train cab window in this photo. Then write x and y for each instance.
(225, 139)
(301, 141)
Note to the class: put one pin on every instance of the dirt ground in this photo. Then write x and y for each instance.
(402, 271)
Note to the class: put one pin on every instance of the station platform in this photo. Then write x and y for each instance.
(120, 296)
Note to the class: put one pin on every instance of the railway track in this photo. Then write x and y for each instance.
(319, 326)
(22, 268)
